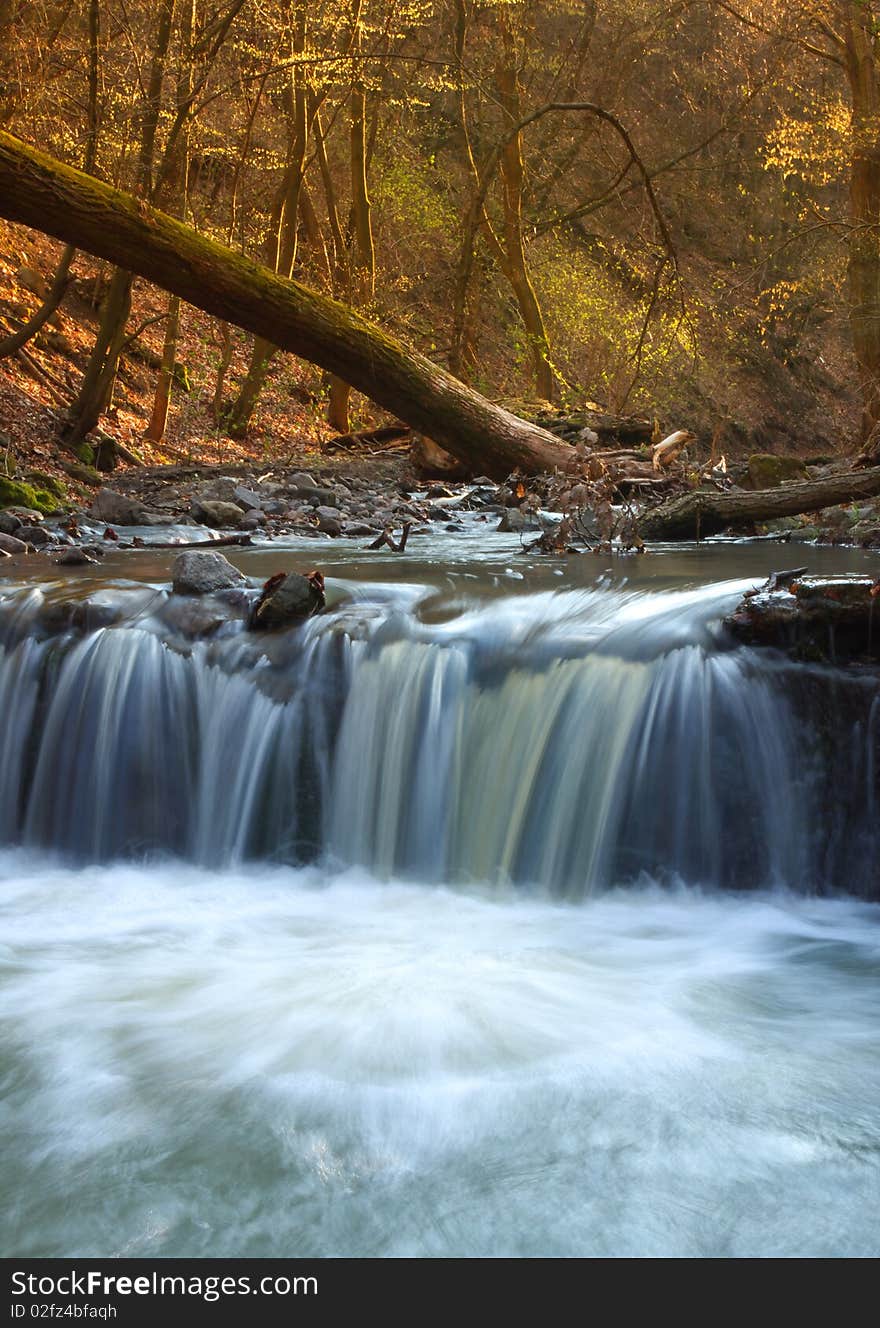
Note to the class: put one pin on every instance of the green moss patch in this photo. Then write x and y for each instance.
(14, 493)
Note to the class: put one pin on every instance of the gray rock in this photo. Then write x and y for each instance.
(117, 509)
(314, 495)
(356, 529)
(36, 535)
(290, 601)
(249, 499)
(195, 618)
(26, 515)
(828, 618)
(9, 544)
(330, 525)
(222, 489)
(201, 573)
(251, 521)
(9, 523)
(513, 520)
(301, 480)
(74, 558)
(162, 519)
(216, 513)
(32, 281)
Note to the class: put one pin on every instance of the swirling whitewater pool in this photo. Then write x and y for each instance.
(277, 1063)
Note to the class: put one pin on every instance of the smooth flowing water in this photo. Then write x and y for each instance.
(493, 912)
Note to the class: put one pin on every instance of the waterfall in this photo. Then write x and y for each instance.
(564, 742)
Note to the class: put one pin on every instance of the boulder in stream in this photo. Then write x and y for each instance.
(38, 536)
(9, 523)
(198, 572)
(9, 544)
(288, 598)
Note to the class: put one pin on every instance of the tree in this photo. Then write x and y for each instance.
(41, 192)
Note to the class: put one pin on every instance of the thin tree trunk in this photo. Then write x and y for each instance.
(338, 390)
(60, 282)
(96, 390)
(155, 430)
(222, 367)
(512, 180)
(864, 243)
(282, 247)
(38, 191)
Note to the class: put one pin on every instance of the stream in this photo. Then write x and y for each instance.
(506, 908)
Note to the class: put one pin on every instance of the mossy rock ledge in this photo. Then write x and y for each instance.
(15, 493)
(827, 619)
(768, 472)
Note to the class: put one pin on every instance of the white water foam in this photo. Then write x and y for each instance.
(277, 1063)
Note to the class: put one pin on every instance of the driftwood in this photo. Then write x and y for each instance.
(704, 513)
(203, 546)
(351, 442)
(396, 546)
(670, 448)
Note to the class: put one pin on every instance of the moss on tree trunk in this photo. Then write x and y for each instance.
(39, 191)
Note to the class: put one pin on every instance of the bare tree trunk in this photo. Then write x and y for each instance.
(158, 423)
(512, 180)
(60, 282)
(222, 367)
(864, 245)
(155, 430)
(96, 389)
(97, 386)
(338, 390)
(39, 191)
(281, 255)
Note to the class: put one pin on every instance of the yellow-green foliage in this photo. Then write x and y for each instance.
(414, 213)
(812, 143)
(596, 324)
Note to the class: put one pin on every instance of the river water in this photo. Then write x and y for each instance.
(495, 912)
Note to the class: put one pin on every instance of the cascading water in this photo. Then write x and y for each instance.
(421, 929)
(566, 741)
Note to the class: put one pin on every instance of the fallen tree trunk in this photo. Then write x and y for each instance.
(39, 191)
(703, 513)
